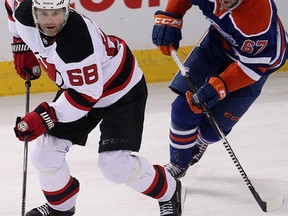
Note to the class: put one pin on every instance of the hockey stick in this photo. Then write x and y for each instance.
(25, 158)
(265, 206)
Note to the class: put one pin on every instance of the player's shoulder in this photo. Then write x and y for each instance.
(23, 13)
(74, 42)
(252, 17)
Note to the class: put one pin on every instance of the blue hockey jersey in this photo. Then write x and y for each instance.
(253, 36)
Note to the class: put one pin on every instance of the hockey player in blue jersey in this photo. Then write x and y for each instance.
(244, 44)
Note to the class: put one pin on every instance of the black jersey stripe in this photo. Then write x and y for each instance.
(78, 100)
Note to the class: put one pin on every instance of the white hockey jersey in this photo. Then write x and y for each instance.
(93, 69)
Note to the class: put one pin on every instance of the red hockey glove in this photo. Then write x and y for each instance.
(24, 59)
(35, 123)
(211, 92)
(167, 31)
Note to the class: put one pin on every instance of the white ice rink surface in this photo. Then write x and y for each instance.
(214, 185)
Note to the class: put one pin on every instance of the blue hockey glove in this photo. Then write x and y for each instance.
(166, 31)
(211, 92)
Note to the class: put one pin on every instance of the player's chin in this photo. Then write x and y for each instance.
(50, 31)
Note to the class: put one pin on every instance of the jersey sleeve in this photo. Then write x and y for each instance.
(178, 6)
(72, 105)
(11, 6)
(235, 78)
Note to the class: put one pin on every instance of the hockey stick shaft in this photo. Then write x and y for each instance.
(266, 207)
(25, 157)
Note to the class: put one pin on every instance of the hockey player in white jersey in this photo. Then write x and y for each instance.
(100, 83)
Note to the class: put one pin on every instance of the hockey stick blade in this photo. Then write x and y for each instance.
(269, 206)
(275, 204)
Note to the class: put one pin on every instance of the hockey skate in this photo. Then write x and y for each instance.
(176, 171)
(179, 172)
(200, 148)
(175, 205)
(46, 210)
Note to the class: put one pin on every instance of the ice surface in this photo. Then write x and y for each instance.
(214, 185)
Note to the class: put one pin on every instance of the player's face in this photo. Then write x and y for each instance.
(228, 3)
(50, 21)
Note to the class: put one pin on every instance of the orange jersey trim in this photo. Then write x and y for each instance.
(235, 78)
(255, 21)
(178, 7)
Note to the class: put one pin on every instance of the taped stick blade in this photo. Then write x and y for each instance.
(275, 204)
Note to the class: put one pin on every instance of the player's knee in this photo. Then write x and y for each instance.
(41, 163)
(209, 135)
(182, 116)
(47, 158)
(117, 166)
